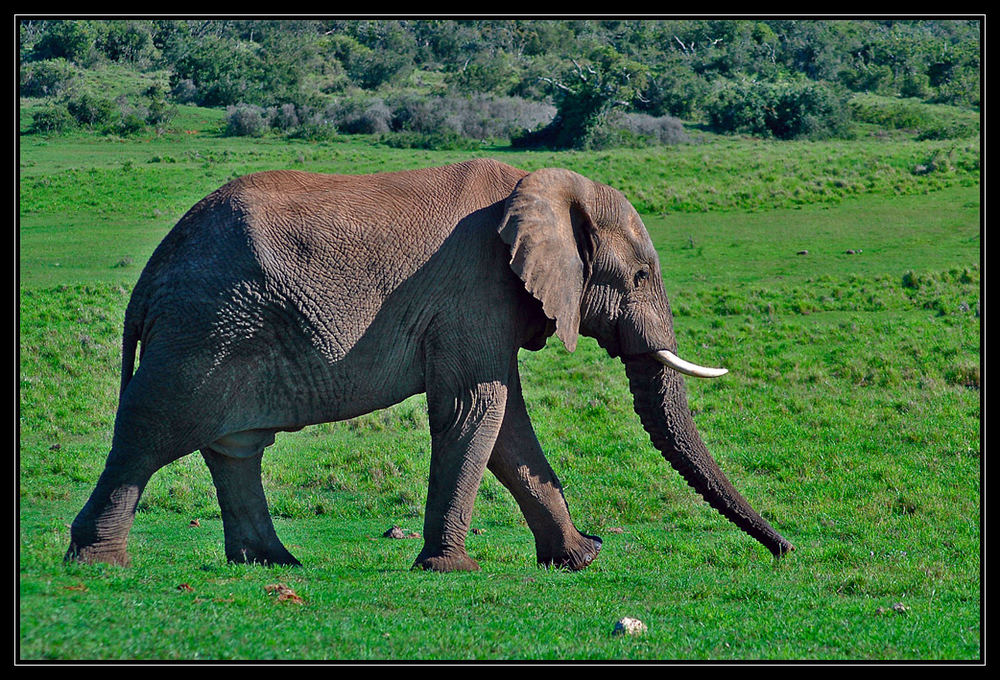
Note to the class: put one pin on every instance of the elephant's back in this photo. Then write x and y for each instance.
(316, 253)
(414, 209)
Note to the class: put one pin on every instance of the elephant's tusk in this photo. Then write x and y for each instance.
(671, 360)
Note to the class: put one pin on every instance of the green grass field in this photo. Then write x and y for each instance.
(851, 417)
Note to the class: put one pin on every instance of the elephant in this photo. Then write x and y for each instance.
(286, 299)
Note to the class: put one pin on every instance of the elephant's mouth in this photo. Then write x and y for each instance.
(617, 345)
(671, 360)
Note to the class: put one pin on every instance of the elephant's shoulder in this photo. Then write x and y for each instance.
(487, 172)
(490, 168)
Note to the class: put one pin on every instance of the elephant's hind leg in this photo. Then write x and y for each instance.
(518, 462)
(234, 462)
(99, 532)
(142, 444)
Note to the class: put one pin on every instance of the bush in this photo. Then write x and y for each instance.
(809, 110)
(285, 117)
(889, 113)
(963, 90)
(677, 91)
(315, 129)
(52, 119)
(369, 69)
(637, 130)
(867, 78)
(478, 117)
(128, 41)
(915, 85)
(91, 110)
(485, 117)
(587, 98)
(413, 113)
(658, 130)
(69, 39)
(245, 120)
(485, 73)
(360, 116)
(785, 110)
(619, 130)
(46, 78)
(121, 116)
(443, 140)
(159, 112)
(953, 129)
(132, 122)
(185, 92)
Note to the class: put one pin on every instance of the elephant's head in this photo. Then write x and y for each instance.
(583, 252)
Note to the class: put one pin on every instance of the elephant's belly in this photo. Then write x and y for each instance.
(356, 394)
(278, 375)
(318, 392)
(384, 367)
(243, 444)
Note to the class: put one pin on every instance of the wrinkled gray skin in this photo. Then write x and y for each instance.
(286, 299)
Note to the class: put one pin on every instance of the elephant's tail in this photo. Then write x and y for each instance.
(130, 339)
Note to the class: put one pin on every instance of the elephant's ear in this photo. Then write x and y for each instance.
(547, 224)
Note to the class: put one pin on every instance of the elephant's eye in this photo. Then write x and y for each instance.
(641, 277)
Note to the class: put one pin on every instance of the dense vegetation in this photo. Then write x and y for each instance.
(553, 83)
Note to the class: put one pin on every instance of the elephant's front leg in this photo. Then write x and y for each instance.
(520, 465)
(464, 428)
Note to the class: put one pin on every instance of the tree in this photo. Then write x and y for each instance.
(69, 39)
(954, 73)
(227, 71)
(674, 89)
(490, 74)
(585, 99)
(128, 41)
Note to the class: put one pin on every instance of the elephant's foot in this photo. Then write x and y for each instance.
(97, 554)
(573, 555)
(431, 560)
(99, 533)
(271, 556)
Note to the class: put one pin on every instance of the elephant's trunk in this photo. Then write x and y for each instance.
(661, 403)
